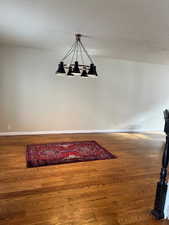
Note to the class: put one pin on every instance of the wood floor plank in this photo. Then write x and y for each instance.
(105, 192)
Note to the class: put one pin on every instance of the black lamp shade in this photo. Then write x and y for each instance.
(92, 70)
(84, 73)
(61, 68)
(69, 73)
(95, 72)
(76, 68)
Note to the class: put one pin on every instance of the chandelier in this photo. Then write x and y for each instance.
(76, 65)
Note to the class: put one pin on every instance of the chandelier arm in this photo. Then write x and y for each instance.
(86, 52)
(69, 52)
(77, 50)
(81, 53)
(74, 51)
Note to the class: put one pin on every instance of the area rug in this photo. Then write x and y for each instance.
(65, 152)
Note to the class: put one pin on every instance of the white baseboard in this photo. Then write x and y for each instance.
(75, 132)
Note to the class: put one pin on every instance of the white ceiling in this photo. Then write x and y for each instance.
(126, 29)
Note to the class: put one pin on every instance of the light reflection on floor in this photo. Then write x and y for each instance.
(155, 136)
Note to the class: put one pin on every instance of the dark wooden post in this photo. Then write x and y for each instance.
(161, 191)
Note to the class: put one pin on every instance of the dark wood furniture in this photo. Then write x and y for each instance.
(161, 191)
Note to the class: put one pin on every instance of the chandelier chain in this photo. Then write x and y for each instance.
(77, 49)
(86, 52)
(81, 54)
(74, 51)
(69, 52)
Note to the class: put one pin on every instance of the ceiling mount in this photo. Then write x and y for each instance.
(77, 65)
(78, 36)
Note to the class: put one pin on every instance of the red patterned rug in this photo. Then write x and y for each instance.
(65, 152)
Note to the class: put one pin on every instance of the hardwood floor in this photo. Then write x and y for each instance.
(108, 192)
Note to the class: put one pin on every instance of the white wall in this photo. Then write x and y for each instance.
(127, 95)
